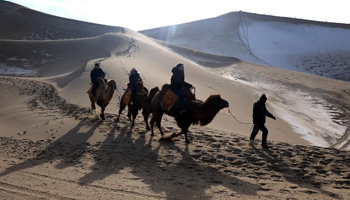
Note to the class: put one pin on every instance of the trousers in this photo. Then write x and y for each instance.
(255, 131)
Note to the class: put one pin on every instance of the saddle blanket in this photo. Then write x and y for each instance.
(169, 100)
(126, 97)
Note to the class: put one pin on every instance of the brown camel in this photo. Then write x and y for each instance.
(142, 100)
(199, 112)
(103, 95)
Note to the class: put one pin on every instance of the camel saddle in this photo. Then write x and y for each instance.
(127, 97)
(90, 89)
(169, 100)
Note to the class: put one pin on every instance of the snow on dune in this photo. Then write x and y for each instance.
(12, 70)
(310, 116)
(279, 42)
(306, 48)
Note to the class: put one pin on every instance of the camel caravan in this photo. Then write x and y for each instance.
(176, 99)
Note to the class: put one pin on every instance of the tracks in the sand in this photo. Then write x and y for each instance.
(31, 192)
(344, 141)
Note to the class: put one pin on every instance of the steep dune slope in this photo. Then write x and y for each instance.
(21, 23)
(49, 58)
(305, 46)
(218, 36)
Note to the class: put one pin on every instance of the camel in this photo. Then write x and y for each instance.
(103, 95)
(199, 112)
(142, 100)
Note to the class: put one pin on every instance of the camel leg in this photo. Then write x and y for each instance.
(152, 125)
(184, 131)
(93, 107)
(121, 108)
(186, 138)
(159, 124)
(157, 118)
(93, 110)
(145, 117)
(184, 124)
(129, 113)
(102, 115)
(134, 115)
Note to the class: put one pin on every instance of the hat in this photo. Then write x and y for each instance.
(263, 96)
(133, 70)
(180, 65)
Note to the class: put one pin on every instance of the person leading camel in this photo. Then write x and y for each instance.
(95, 73)
(259, 118)
(177, 82)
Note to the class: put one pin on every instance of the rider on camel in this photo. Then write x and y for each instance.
(134, 77)
(177, 82)
(95, 73)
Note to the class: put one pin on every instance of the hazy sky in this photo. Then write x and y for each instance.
(145, 14)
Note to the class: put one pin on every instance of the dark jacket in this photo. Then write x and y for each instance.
(95, 73)
(260, 112)
(133, 78)
(178, 79)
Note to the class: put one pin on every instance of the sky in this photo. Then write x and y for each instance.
(146, 14)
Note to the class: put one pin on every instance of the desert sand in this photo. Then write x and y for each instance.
(52, 147)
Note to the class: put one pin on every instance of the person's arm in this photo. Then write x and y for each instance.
(270, 115)
(92, 76)
(130, 78)
(138, 78)
(187, 85)
(103, 74)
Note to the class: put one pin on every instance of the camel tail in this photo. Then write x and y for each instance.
(152, 92)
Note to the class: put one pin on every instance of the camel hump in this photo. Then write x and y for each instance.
(153, 92)
(100, 81)
(165, 87)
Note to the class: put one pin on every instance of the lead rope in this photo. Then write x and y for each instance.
(237, 119)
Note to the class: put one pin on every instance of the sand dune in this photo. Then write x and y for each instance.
(68, 156)
(300, 45)
(21, 23)
(53, 148)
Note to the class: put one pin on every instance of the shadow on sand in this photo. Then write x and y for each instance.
(184, 179)
(66, 152)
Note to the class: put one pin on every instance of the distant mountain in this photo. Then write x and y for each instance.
(22, 23)
(307, 46)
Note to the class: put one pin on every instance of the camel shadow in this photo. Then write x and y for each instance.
(297, 175)
(165, 168)
(61, 149)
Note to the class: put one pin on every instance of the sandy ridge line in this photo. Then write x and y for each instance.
(45, 94)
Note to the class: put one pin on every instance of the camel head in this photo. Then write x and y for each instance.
(112, 84)
(217, 102)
